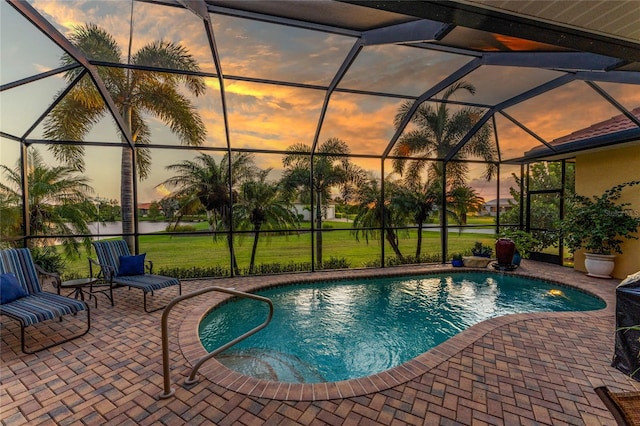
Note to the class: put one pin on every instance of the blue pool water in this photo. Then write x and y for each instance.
(332, 331)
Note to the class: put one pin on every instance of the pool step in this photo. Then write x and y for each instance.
(268, 364)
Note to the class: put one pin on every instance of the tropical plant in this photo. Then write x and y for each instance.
(438, 132)
(261, 206)
(10, 219)
(58, 201)
(135, 92)
(525, 241)
(598, 223)
(154, 210)
(544, 208)
(416, 200)
(169, 206)
(464, 200)
(205, 182)
(331, 169)
(374, 213)
(107, 210)
(482, 250)
(48, 259)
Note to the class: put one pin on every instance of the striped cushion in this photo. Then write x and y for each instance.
(43, 306)
(109, 252)
(38, 305)
(20, 263)
(146, 282)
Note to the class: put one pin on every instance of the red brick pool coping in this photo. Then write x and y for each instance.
(214, 371)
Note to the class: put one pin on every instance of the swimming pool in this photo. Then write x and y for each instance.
(332, 331)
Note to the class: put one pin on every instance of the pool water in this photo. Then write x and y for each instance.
(332, 331)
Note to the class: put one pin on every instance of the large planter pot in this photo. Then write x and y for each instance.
(599, 265)
(505, 249)
(517, 259)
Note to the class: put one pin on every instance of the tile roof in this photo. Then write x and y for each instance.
(612, 125)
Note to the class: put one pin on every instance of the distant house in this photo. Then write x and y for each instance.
(143, 209)
(329, 212)
(490, 208)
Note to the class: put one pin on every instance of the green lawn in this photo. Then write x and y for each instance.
(184, 251)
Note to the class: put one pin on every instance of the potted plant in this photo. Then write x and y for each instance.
(481, 250)
(598, 225)
(524, 241)
(481, 256)
(456, 260)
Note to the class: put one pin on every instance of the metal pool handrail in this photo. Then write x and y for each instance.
(168, 392)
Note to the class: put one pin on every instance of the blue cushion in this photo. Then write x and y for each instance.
(131, 265)
(10, 289)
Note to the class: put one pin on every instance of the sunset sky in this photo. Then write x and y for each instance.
(272, 117)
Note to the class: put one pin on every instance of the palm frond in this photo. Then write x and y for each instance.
(164, 54)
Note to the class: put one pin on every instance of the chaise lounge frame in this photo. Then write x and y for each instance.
(108, 253)
(38, 306)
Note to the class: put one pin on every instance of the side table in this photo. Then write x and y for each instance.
(78, 286)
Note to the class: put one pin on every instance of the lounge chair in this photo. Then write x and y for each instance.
(120, 268)
(33, 305)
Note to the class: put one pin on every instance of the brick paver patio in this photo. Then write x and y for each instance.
(533, 369)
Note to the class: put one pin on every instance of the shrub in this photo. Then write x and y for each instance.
(598, 224)
(335, 263)
(482, 250)
(277, 268)
(195, 272)
(405, 260)
(48, 259)
(525, 242)
(180, 228)
(259, 269)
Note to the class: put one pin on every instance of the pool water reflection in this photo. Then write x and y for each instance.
(332, 331)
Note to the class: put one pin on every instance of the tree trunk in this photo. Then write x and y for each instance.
(234, 261)
(392, 238)
(127, 203)
(210, 219)
(318, 230)
(256, 235)
(226, 219)
(419, 247)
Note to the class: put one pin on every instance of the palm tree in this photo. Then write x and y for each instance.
(205, 182)
(261, 206)
(415, 200)
(373, 212)
(134, 92)
(464, 200)
(58, 201)
(331, 169)
(438, 131)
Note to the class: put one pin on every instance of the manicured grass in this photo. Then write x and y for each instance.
(480, 220)
(186, 251)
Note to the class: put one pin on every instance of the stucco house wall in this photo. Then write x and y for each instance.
(598, 171)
